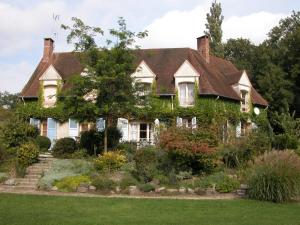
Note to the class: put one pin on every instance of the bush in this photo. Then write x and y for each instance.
(27, 154)
(221, 181)
(79, 154)
(127, 181)
(71, 183)
(146, 163)
(113, 137)
(110, 161)
(275, 176)
(103, 183)
(285, 141)
(43, 142)
(3, 177)
(91, 141)
(189, 149)
(183, 175)
(64, 147)
(129, 149)
(146, 187)
(61, 168)
(15, 132)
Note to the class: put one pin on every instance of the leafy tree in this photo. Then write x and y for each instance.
(8, 100)
(214, 28)
(107, 73)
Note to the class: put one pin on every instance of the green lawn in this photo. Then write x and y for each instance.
(44, 210)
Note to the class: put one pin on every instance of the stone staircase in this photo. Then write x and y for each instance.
(33, 174)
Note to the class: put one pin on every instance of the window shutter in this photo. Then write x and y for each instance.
(123, 127)
(239, 130)
(34, 122)
(179, 122)
(100, 124)
(156, 122)
(194, 123)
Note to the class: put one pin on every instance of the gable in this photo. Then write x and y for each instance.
(143, 73)
(244, 80)
(50, 74)
(186, 70)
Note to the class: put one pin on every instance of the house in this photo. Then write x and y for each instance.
(181, 76)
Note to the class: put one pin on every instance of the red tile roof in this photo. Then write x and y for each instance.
(216, 77)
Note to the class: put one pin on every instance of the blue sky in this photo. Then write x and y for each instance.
(171, 23)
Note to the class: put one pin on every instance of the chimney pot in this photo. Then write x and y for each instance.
(48, 49)
(203, 46)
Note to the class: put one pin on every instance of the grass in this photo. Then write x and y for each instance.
(54, 210)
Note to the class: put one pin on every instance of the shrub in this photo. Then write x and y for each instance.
(79, 154)
(127, 181)
(28, 153)
(183, 175)
(285, 141)
(221, 181)
(71, 183)
(61, 168)
(146, 163)
(43, 142)
(91, 141)
(189, 149)
(103, 183)
(146, 187)
(275, 176)
(113, 137)
(15, 132)
(129, 149)
(64, 147)
(110, 161)
(3, 177)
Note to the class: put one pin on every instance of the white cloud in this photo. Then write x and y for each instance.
(14, 76)
(180, 28)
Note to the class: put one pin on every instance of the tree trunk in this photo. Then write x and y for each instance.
(105, 135)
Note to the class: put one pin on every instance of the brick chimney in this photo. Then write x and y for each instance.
(48, 49)
(203, 46)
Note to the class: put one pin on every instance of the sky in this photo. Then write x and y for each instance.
(170, 23)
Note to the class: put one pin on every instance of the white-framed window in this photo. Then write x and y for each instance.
(73, 128)
(186, 94)
(141, 132)
(50, 95)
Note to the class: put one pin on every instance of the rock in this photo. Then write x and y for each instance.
(118, 189)
(133, 190)
(244, 186)
(210, 191)
(171, 190)
(112, 192)
(92, 188)
(82, 189)
(190, 191)
(10, 182)
(154, 182)
(54, 188)
(160, 189)
(182, 190)
(200, 191)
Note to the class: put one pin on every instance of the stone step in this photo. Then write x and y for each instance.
(33, 176)
(27, 183)
(34, 180)
(25, 187)
(45, 155)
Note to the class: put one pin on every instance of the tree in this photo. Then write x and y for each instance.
(8, 100)
(214, 28)
(241, 52)
(107, 73)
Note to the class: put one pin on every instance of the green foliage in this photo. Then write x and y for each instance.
(79, 154)
(43, 142)
(3, 177)
(238, 152)
(15, 132)
(91, 140)
(148, 187)
(27, 154)
(221, 181)
(64, 147)
(61, 168)
(183, 175)
(106, 68)
(110, 161)
(129, 149)
(8, 100)
(103, 183)
(285, 141)
(275, 176)
(214, 28)
(146, 163)
(68, 184)
(127, 181)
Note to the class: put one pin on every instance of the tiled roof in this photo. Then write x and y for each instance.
(216, 77)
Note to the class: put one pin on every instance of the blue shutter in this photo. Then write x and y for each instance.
(100, 124)
(194, 123)
(123, 127)
(179, 122)
(239, 130)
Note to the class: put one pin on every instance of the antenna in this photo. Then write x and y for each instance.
(55, 26)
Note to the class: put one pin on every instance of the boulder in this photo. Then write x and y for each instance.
(190, 191)
(10, 182)
(133, 190)
(118, 189)
(160, 189)
(92, 188)
(82, 189)
(182, 190)
(54, 188)
(171, 190)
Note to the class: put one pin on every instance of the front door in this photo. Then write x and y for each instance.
(51, 130)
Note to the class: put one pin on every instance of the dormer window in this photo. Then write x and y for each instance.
(186, 94)
(50, 92)
(145, 89)
(244, 101)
